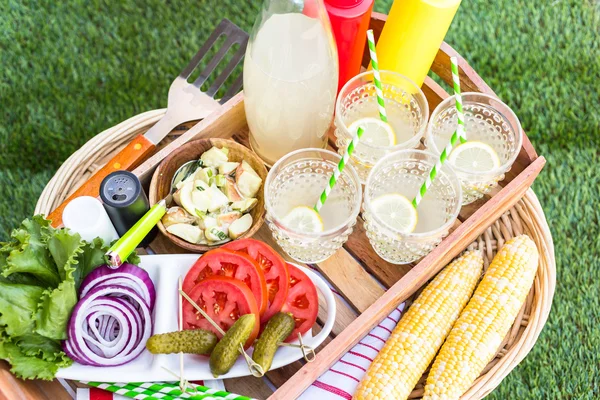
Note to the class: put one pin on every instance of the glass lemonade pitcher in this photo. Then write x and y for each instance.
(290, 78)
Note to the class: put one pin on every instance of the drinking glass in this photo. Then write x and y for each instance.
(407, 111)
(298, 179)
(403, 173)
(487, 120)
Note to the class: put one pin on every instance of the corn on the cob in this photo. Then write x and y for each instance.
(420, 333)
(485, 321)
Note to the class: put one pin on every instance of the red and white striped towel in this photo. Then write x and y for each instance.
(97, 394)
(341, 380)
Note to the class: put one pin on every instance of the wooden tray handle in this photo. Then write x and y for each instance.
(127, 159)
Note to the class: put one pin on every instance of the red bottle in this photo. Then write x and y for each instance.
(349, 22)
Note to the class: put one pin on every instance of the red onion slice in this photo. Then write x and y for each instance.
(93, 339)
(128, 275)
(109, 348)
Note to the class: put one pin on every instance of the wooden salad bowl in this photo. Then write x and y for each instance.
(160, 184)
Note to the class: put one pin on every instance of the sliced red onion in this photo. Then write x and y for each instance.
(128, 275)
(122, 295)
(93, 337)
(104, 343)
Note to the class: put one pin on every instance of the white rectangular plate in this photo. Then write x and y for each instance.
(164, 270)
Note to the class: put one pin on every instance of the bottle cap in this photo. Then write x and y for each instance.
(120, 189)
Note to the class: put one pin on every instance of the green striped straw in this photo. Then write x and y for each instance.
(133, 391)
(459, 106)
(338, 171)
(165, 391)
(376, 76)
(459, 134)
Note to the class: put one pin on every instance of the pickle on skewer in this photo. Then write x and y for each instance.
(227, 350)
(277, 330)
(196, 341)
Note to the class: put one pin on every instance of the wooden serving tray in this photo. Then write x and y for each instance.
(357, 262)
(383, 286)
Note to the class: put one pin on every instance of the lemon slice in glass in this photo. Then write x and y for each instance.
(474, 156)
(377, 132)
(304, 219)
(396, 211)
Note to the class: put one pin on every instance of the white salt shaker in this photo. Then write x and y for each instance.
(86, 216)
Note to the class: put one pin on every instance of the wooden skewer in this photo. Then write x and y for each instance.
(304, 352)
(201, 311)
(193, 389)
(307, 351)
(255, 368)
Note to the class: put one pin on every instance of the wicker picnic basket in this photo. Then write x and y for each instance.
(486, 225)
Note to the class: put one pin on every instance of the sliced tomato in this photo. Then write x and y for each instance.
(302, 301)
(223, 262)
(224, 299)
(274, 268)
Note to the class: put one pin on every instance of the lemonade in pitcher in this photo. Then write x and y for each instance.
(290, 79)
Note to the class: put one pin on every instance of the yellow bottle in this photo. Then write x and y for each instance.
(413, 34)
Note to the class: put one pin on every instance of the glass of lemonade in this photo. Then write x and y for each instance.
(399, 233)
(494, 140)
(406, 108)
(293, 187)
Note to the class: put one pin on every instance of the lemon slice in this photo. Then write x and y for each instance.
(304, 219)
(377, 132)
(475, 156)
(396, 211)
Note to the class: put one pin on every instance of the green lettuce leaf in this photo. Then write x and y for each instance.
(4, 338)
(24, 279)
(29, 366)
(65, 248)
(54, 310)
(18, 304)
(134, 259)
(91, 257)
(32, 255)
(38, 345)
(55, 306)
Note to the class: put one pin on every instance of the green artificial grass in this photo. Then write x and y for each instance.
(69, 70)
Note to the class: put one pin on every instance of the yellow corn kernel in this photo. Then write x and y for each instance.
(421, 331)
(485, 321)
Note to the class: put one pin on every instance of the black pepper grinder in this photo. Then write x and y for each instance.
(125, 202)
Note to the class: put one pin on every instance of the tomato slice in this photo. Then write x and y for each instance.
(223, 262)
(302, 301)
(224, 299)
(274, 268)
